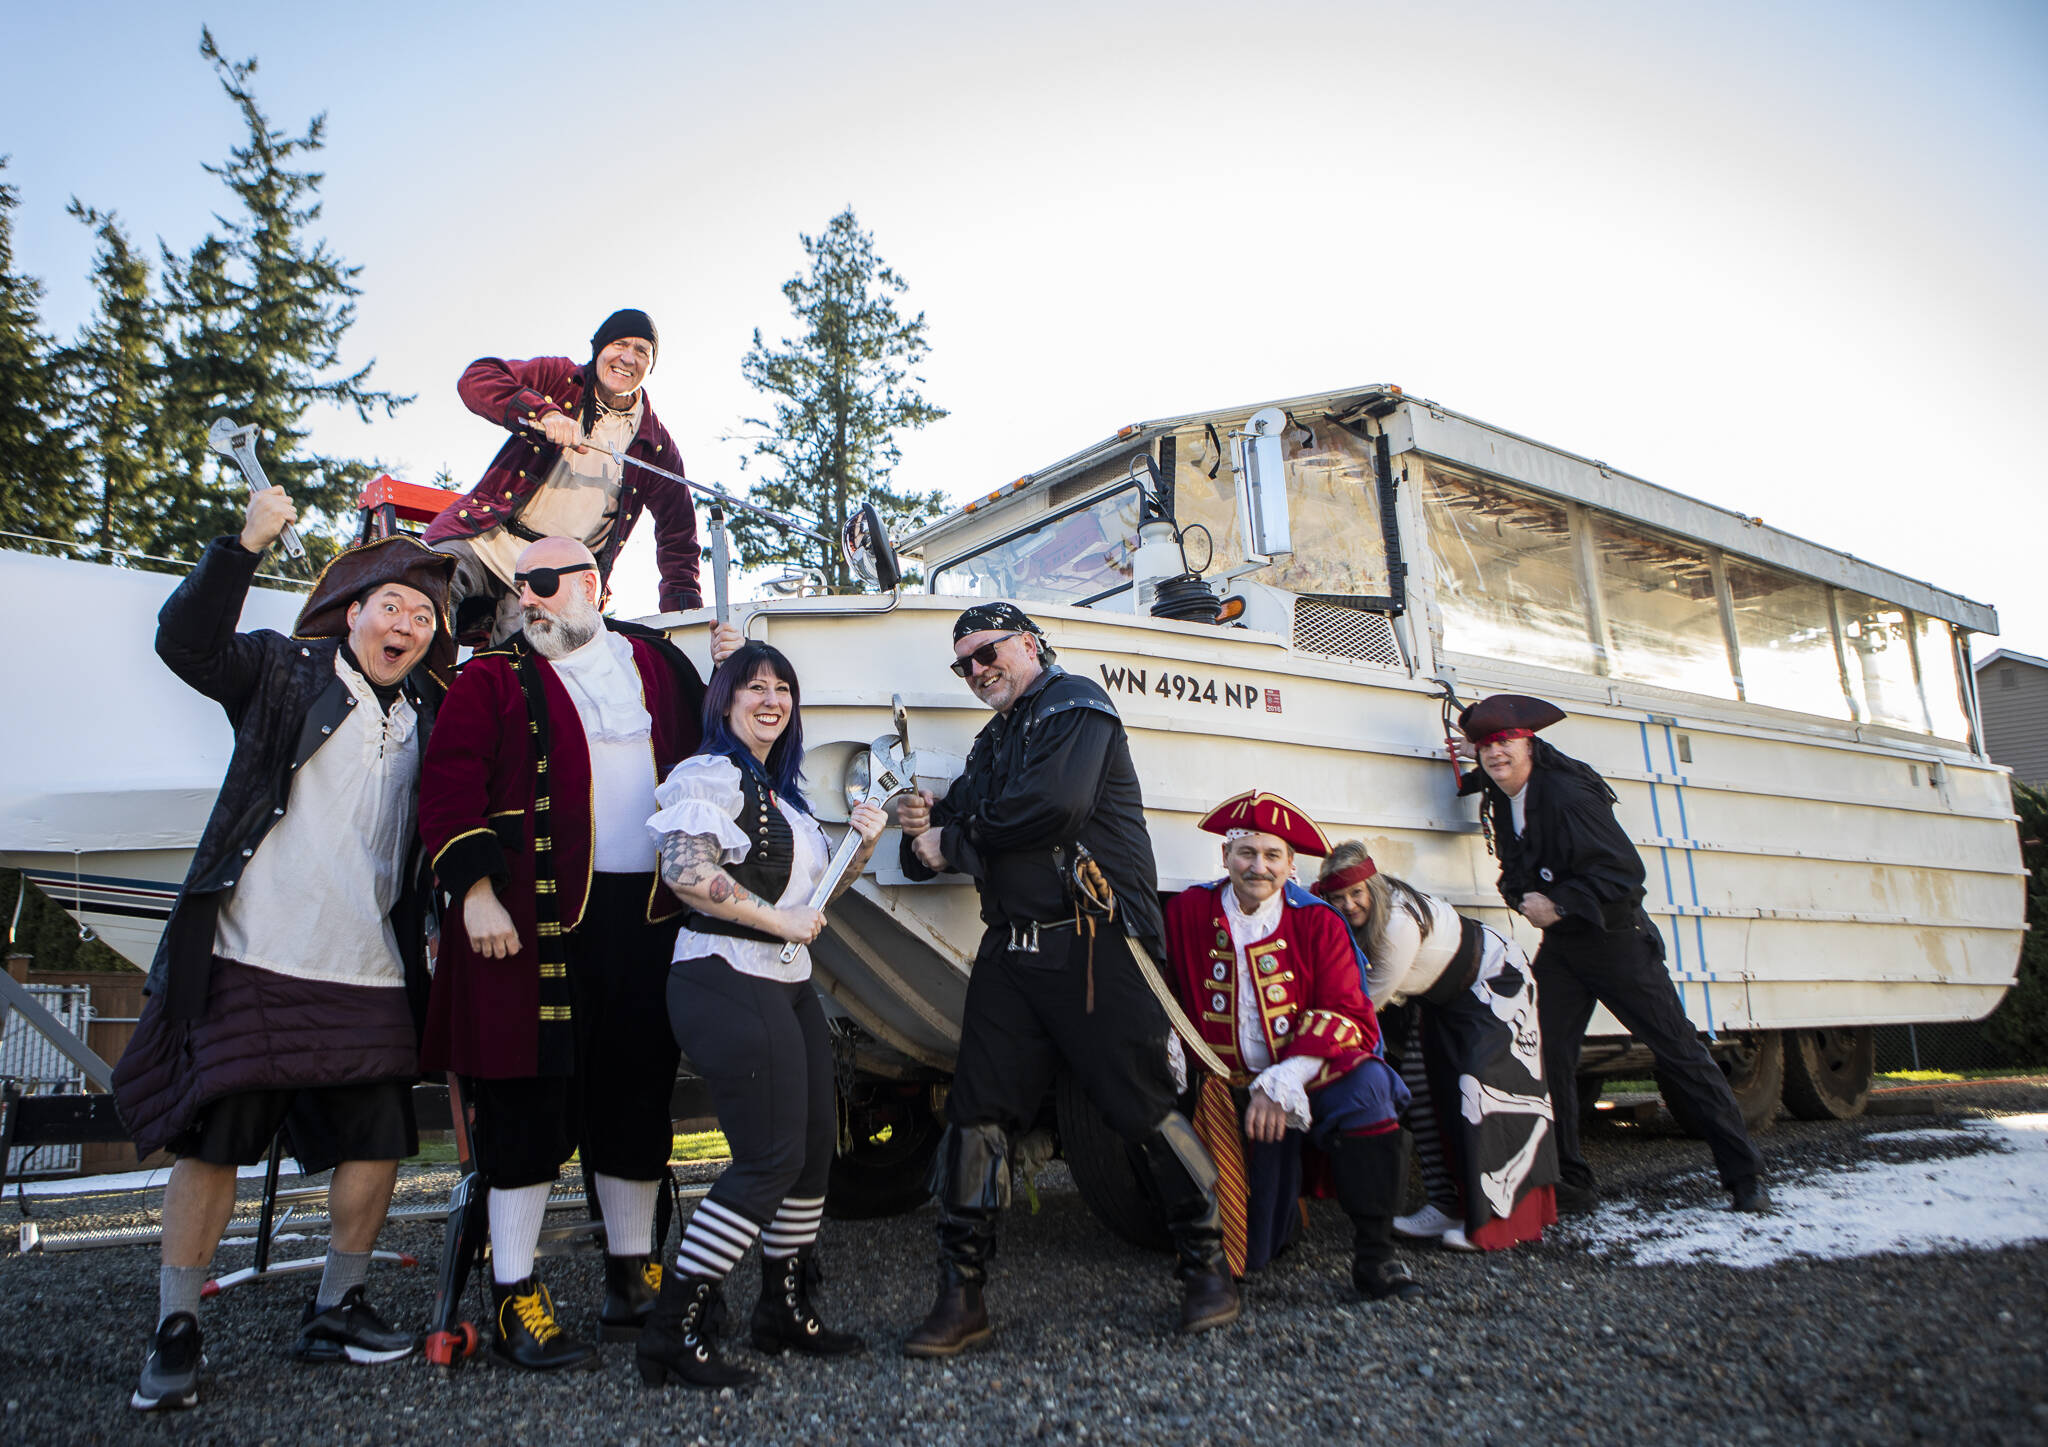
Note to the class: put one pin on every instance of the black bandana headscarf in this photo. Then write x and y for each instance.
(994, 618)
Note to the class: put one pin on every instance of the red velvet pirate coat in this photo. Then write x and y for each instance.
(1311, 991)
(477, 819)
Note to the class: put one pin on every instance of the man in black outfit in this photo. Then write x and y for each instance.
(1048, 785)
(1567, 867)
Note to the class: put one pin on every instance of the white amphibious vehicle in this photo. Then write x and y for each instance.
(1790, 730)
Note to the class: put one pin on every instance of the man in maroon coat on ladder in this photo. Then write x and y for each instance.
(550, 994)
(556, 475)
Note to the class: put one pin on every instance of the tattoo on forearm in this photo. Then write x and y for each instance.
(690, 862)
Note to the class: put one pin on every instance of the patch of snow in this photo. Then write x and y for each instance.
(1992, 1193)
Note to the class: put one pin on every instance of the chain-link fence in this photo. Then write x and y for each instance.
(1948, 1045)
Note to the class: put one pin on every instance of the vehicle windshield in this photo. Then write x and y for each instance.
(1077, 555)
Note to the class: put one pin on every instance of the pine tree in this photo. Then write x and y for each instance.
(257, 317)
(115, 373)
(39, 492)
(842, 389)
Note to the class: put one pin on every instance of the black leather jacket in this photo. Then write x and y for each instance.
(283, 698)
(1053, 772)
(1571, 849)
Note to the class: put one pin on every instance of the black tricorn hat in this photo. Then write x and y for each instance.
(1514, 714)
(355, 571)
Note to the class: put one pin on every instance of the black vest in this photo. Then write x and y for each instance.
(764, 873)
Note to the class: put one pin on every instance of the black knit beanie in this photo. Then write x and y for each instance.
(626, 322)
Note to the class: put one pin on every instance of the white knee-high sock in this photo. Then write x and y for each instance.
(515, 1230)
(714, 1241)
(628, 1208)
(795, 1226)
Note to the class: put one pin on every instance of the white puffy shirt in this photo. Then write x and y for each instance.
(1408, 964)
(314, 902)
(702, 796)
(1285, 1084)
(604, 684)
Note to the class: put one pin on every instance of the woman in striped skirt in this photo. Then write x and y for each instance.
(740, 848)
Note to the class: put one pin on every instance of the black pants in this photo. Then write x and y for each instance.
(762, 1047)
(615, 1108)
(1027, 1014)
(1624, 970)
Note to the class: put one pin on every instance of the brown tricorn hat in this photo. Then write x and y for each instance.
(1513, 715)
(354, 572)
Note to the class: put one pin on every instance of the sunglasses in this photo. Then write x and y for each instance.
(984, 655)
(544, 581)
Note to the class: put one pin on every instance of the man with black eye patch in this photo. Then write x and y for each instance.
(550, 995)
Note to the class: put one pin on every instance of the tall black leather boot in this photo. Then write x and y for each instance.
(631, 1286)
(1372, 1182)
(1185, 1178)
(971, 1181)
(677, 1344)
(785, 1317)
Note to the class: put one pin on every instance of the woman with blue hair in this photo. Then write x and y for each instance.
(740, 847)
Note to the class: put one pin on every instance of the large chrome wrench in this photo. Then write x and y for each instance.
(239, 443)
(891, 776)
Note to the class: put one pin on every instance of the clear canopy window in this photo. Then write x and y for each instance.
(1067, 558)
(1938, 678)
(1506, 579)
(1787, 644)
(1880, 658)
(1332, 502)
(1663, 618)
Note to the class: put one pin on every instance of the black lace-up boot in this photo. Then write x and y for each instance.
(632, 1284)
(527, 1334)
(785, 1316)
(677, 1344)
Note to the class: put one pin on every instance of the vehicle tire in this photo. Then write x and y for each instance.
(895, 1135)
(1827, 1072)
(1106, 1171)
(1755, 1067)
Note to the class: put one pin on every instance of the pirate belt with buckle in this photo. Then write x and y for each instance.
(1024, 937)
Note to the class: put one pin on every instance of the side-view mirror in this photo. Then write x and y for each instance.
(1262, 486)
(868, 551)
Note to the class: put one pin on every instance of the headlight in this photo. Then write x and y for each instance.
(859, 771)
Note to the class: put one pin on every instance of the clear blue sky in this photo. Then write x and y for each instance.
(1783, 257)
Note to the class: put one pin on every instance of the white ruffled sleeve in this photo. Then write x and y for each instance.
(1286, 1085)
(701, 795)
(1385, 976)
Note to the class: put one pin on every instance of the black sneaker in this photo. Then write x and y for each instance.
(170, 1377)
(350, 1331)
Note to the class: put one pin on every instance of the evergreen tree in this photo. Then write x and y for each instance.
(257, 317)
(842, 389)
(39, 492)
(115, 374)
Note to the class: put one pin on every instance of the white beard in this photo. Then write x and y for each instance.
(556, 635)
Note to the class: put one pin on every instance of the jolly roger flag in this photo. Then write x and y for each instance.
(1484, 1058)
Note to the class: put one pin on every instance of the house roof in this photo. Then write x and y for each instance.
(2009, 656)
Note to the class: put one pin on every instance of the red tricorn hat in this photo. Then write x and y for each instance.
(1507, 715)
(1253, 813)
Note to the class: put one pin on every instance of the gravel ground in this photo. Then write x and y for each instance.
(1549, 1342)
